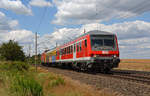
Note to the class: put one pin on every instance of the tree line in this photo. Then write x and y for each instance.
(12, 51)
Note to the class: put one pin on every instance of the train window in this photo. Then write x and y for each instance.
(77, 46)
(80, 46)
(67, 49)
(71, 48)
(85, 43)
(63, 51)
(58, 53)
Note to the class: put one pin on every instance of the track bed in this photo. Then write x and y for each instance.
(126, 87)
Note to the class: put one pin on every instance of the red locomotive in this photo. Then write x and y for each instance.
(94, 50)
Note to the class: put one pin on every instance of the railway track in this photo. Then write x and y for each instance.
(138, 78)
(129, 83)
(134, 76)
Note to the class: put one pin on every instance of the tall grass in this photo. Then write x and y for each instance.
(26, 86)
(19, 81)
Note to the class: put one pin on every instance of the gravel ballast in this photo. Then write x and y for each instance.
(124, 87)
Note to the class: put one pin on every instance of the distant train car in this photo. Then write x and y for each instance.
(95, 50)
(48, 57)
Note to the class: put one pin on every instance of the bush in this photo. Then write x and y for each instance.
(6, 50)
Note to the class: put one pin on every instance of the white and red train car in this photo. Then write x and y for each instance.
(94, 50)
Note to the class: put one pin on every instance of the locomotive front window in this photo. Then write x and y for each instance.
(109, 42)
(103, 42)
(97, 42)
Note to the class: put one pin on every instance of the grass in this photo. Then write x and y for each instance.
(20, 79)
(26, 86)
(135, 64)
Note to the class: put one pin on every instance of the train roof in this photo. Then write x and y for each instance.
(95, 32)
(50, 50)
(92, 32)
(98, 32)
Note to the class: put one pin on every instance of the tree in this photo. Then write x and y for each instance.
(12, 51)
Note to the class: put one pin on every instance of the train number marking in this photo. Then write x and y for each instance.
(105, 52)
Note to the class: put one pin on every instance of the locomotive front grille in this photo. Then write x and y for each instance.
(106, 60)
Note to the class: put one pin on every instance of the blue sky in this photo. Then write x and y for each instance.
(19, 20)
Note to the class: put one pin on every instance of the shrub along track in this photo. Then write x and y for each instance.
(127, 83)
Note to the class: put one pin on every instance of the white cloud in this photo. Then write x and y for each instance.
(40, 3)
(2, 15)
(6, 24)
(22, 36)
(9, 31)
(84, 11)
(13, 23)
(16, 6)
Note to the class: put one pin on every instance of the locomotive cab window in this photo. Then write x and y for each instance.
(103, 42)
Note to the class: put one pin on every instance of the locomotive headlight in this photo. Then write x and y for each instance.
(96, 55)
(115, 56)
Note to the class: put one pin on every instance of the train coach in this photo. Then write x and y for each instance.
(95, 50)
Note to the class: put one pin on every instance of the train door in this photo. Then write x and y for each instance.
(74, 52)
(85, 48)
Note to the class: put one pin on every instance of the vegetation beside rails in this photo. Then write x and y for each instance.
(20, 79)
